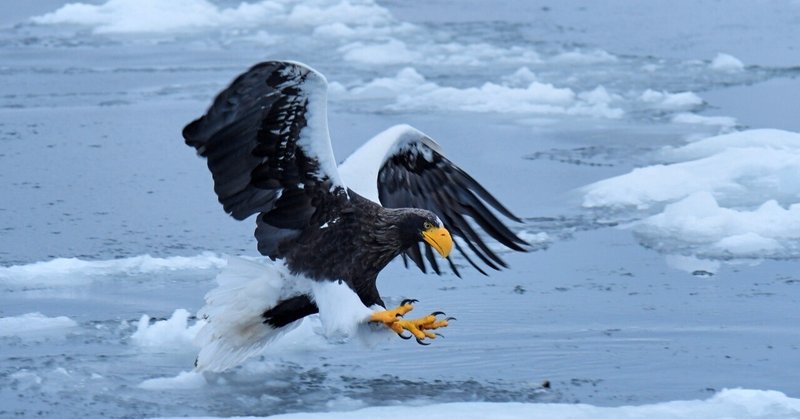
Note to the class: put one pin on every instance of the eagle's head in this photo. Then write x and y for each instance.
(418, 225)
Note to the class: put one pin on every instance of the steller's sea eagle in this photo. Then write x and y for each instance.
(266, 141)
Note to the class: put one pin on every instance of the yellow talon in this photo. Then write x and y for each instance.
(419, 328)
(390, 316)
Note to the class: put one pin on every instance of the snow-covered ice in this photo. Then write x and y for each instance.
(732, 195)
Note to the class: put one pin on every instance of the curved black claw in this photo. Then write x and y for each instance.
(436, 313)
(451, 318)
(422, 343)
(408, 301)
(402, 336)
(440, 335)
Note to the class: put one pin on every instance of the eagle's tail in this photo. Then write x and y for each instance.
(235, 328)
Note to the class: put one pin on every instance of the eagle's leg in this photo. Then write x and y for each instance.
(388, 317)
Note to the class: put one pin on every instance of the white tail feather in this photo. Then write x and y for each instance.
(235, 330)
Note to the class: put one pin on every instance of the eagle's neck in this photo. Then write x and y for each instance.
(385, 241)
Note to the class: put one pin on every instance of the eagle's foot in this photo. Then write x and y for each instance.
(388, 317)
(420, 328)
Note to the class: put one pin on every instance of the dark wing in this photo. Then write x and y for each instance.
(266, 141)
(416, 174)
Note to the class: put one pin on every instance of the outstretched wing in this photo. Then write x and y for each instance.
(267, 144)
(402, 167)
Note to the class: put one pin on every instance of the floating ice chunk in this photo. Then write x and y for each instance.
(670, 101)
(737, 176)
(726, 63)
(174, 332)
(729, 196)
(724, 232)
(35, 325)
(73, 271)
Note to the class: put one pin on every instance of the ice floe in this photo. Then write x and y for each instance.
(728, 403)
(730, 196)
(35, 325)
(74, 271)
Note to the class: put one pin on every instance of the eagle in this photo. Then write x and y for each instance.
(266, 142)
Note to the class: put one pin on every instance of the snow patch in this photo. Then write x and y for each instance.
(35, 325)
(726, 63)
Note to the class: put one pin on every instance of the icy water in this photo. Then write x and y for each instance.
(535, 99)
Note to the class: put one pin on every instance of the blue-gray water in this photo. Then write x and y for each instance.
(92, 165)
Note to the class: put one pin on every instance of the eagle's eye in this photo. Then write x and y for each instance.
(427, 225)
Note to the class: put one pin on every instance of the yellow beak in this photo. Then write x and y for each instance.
(439, 238)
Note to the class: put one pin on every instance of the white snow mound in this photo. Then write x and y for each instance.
(729, 196)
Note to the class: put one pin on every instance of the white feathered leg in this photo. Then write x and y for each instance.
(235, 329)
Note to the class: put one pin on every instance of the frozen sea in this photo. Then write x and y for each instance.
(651, 148)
